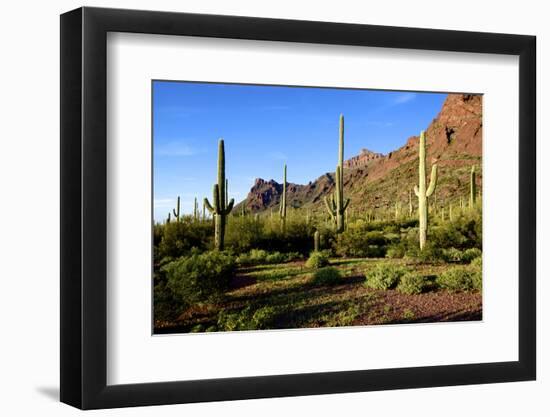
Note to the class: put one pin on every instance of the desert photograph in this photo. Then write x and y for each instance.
(288, 207)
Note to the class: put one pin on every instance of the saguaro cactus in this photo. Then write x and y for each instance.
(176, 211)
(473, 187)
(219, 208)
(204, 210)
(316, 241)
(195, 209)
(337, 205)
(168, 219)
(421, 192)
(282, 206)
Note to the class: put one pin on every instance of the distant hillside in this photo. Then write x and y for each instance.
(376, 181)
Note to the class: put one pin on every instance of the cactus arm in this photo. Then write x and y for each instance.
(416, 191)
(209, 206)
(329, 208)
(433, 181)
(230, 206)
(346, 204)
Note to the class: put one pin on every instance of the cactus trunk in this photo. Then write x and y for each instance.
(282, 207)
(472, 187)
(338, 205)
(422, 193)
(219, 208)
(316, 241)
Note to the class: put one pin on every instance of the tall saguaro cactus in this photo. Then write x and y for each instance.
(282, 206)
(473, 187)
(176, 211)
(421, 192)
(219, 208)
(337, 205)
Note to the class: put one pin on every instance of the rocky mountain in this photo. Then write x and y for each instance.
(376, 181)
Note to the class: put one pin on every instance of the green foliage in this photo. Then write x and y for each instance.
(395, 252)
(317, 260)
(470, 254)
(477, 262)
(247, 319)
(477, 268)
(384, 276)
(243, 234)
(358, 241)
(200, 277)
(459, 278)
(412, 283)
(261, 257)
(177, 239)
(327, 276)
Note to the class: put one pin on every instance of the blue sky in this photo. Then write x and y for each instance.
(265, 127)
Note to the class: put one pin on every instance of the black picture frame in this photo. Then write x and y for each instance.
(84, 207)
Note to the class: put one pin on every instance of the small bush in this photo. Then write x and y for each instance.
(260, 256)
(247, 319)
(477, 262)
(358, 241)
(412, 283)
(317, 260)
(395, 252)
(458, 278)
(327, 276)
(200, 277)
(477, 268)
(384, 276)
(254, 257)
(470, 254)
(452, 255)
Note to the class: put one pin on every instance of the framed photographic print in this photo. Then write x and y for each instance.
(257, 207)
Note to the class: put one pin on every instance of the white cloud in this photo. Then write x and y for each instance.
(404, 98)
(175, 149)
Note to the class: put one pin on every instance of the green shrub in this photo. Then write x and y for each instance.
(412, 283)
(452, 255)
(254, 257)
(260, 256)
(470, 254)
(327, 276)
(384, 276)
(477, 268)
(180, 238)
(200, 277)
(247, 319)
(317, 260)
(358, 241)
(458, 278)
(395, 252)
(477, 262)
(243, 233)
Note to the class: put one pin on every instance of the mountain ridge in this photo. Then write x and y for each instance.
(374, 180)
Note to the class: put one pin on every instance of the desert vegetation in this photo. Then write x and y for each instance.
(325, 264)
